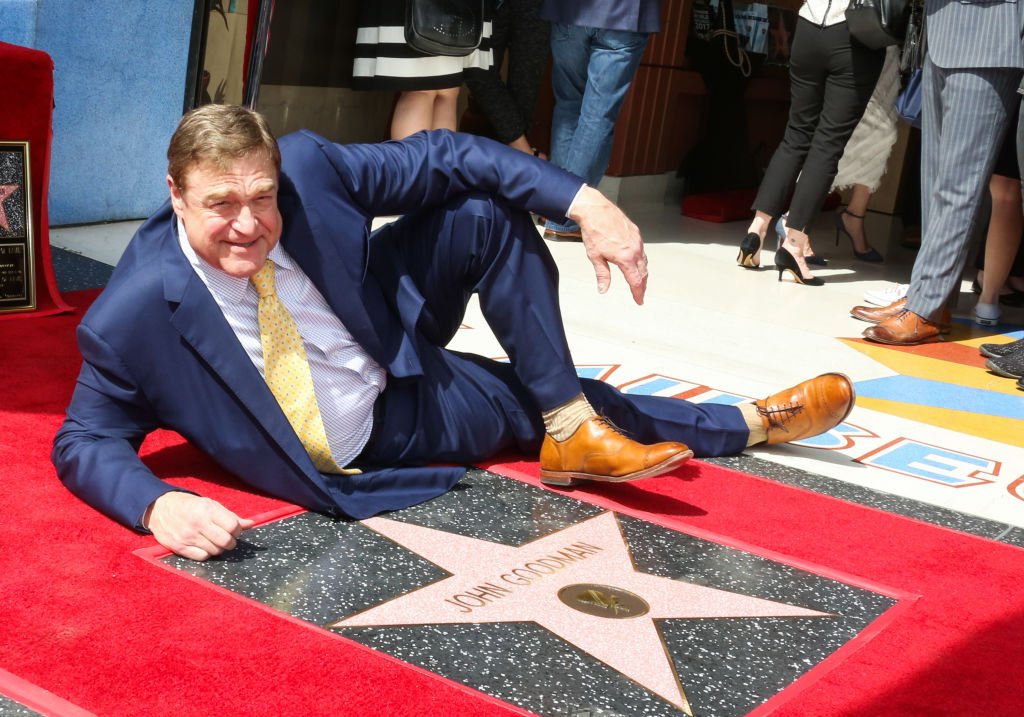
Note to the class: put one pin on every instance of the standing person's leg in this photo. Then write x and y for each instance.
(1001, 245)
(570, 56)
(852, 73)
(962, 129)
(614, 57)
(528, 52)
(488, 92)
(424, 109)
(413, 111)
(850, 220)
(806, 95)
(446, 104)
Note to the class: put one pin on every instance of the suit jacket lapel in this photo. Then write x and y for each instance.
(200, 322)
(337, 266)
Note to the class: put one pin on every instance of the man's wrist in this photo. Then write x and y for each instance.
(143, 523)
(575, 199)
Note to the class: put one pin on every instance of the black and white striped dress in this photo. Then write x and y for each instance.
(383, 60)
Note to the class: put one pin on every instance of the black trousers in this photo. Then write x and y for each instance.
(832, 77)
(509, 106)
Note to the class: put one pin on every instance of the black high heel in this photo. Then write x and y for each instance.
(750, 252)
(780, 230)
(871, 255)
(784, 261)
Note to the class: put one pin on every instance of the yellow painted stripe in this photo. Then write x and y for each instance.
(987, 339)
(909, 364)
(994, 428)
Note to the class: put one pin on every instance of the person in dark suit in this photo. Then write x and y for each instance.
(971, 75)
(256, 315)
(596, 48)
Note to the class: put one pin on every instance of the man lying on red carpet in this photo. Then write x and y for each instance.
(255, 314)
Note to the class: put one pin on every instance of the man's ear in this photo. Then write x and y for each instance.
(177, 201)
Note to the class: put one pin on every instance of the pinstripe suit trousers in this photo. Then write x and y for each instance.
(965, 112)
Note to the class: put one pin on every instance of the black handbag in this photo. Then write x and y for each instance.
(878, 23)
(444, 27)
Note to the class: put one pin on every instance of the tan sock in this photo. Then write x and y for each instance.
(755, 423)
(562, 421)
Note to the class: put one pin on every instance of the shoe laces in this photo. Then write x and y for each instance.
(778, 415)
(610, 424)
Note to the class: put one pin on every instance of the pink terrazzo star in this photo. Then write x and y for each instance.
(491, 582)
(6, 190)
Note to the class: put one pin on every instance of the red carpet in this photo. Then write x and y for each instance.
(90, 622)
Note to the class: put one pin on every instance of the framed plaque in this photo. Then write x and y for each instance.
(17, 272)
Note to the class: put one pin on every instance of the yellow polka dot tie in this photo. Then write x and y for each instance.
(287, 371)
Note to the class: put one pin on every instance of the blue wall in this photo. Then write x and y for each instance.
(18, 22)
(119, 84)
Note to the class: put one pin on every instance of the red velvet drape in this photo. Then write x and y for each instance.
(28, 80)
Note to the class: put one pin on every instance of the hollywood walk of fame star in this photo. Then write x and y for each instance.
(491, 582)
(6, 190)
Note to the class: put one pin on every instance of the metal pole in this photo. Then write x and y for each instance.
(260, 42)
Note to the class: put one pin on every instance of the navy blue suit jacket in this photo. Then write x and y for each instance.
(158, 353)
(634, 15)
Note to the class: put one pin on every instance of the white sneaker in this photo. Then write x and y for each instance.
(986, 314)
(884, 297)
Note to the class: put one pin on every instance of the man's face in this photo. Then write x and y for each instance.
(230, 215)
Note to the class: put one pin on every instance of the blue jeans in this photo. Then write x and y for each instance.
(591, 72)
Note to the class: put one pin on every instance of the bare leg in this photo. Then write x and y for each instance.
(807, 250)
(413, 112)
(424, 109)
(1004, 231)
(445, 109)
(853, 217)
(797, 243)
(759, 225)
(752, 244)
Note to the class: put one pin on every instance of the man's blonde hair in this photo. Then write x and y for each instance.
(219, 135)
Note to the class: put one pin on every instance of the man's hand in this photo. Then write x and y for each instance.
(193, 527)
(610, 237)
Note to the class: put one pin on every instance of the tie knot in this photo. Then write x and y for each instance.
(263, 280)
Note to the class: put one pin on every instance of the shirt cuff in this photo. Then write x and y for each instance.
(575, 197)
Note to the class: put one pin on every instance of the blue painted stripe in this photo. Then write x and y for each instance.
(727, 399)
(651, 386)
(924, 392)
(1010, 331)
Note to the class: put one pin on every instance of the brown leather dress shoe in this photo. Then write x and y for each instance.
(598, 452)
(807, 409)
(908, 329)
(874, 314)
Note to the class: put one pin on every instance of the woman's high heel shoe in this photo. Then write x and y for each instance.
(870, 255)
(750, 252)
(780, 230)
(784, 261)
